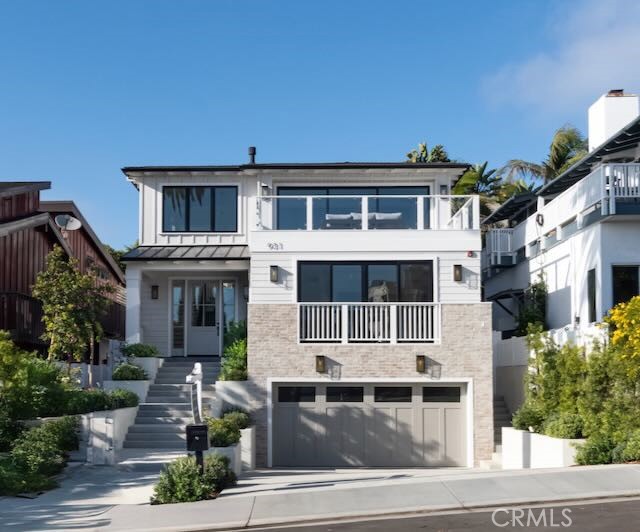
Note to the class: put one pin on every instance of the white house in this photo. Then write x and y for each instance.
(581, 231)
(360, 283)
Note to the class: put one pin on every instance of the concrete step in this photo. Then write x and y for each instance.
(146, 460)
(165, 412)
(152, 438)
(163, 420)
(163, 428)
(157, 444)
(168, 398)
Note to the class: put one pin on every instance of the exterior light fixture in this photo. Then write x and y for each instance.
(457, 272)
(469, 253)
(155, 291)
(245, 293)
(273, 274)
(421, 363)
(321, 364)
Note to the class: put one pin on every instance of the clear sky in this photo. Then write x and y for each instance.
(87, 87)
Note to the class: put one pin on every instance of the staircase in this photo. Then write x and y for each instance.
(160, 426)
(501, 418)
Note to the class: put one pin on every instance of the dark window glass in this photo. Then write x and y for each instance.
(174, 209)
(338, 394)
(296, 394)
(315, 283)
(200, 209)
(382, 283)
(416, 282)
(591, 294)
(625, 283)
(392, 394)
(347, 283)
(225, 210)
(441, 394)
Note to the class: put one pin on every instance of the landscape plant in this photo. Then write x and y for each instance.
(139, 350)
(239, 418)
(234, 362)
(129, 372)
(181, 480)
(223, 432)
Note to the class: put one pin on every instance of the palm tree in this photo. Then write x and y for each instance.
(438, 154)
(567, 147)
(487, 184)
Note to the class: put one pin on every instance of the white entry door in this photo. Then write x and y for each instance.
(203, 317)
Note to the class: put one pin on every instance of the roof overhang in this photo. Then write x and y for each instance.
(13, 188)
(187, 253)
(36, 221)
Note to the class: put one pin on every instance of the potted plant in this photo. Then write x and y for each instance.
(224, 438)
(243, 421)
(144, 355)
(129, 377)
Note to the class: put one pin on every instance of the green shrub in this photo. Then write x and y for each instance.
(223, 432)
(122, 399)
(37, 452)
(10, 429)
(14, 481)
(129, 372)
(564, 425)
(83, 401)
(238, 418)
(236, 330)
(139, 350)
(64, 431)
(181, 481)
(234, 362)
(631, 452)
(528, 416)
(598, 449)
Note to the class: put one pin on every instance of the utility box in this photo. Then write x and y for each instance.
(197, 438)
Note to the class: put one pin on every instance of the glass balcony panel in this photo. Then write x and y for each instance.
(337, 213)
(291, 213)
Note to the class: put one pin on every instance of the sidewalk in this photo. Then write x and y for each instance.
(307, 496)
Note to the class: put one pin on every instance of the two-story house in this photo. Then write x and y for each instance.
(580, 233)
(368, 344)
(28, 232)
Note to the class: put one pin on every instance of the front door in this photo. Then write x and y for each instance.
(203, 317)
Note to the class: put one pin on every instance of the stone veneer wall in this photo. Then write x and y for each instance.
(465, 351)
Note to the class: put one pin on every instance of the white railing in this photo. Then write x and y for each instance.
(195, 379)
(369, 322)
(622, 181)
(499, 247)
(315, 213)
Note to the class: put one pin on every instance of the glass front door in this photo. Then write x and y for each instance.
(203, 318)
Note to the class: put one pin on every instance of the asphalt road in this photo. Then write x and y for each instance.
(592, 517)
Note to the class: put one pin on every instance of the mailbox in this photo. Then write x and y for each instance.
(197, 438)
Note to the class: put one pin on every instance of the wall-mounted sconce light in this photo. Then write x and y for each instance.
(321, 364)
(444, 190)
(273, 274)
(421, 363)
(154, 291)
(457, 272)
(577, 320)
(245, 293)
(469, 253)
(266, 189)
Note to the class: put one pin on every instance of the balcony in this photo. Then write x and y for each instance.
(364, 213)
(499, 250)
(348, 323)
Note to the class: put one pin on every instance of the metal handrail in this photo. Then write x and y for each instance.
(195, 379)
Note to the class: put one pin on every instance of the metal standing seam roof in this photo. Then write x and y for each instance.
(188, 253)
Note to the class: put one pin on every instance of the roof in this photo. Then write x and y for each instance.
(68, 206)
(301, 166)
(37, 220)
(187, 253)
(511, 207)
(11, 188)
(628, 137)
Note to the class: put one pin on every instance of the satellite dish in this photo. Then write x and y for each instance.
(67, 222)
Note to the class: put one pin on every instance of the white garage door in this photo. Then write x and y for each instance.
(372, 425)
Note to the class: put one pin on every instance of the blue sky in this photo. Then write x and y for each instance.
(89, 87)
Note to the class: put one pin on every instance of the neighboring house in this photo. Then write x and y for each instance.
(581, 232)
(28, 233)
(360, 284)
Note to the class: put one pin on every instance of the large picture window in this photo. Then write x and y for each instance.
(200, 209)
(375, 282)
(626, 283)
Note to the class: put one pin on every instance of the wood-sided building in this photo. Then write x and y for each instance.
(27, 234)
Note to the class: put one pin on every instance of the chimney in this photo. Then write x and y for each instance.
(609, 114)
(252, 155)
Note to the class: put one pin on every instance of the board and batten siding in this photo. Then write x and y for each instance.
(285, 290)
(151, 233)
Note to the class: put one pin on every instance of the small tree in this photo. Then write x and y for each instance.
(72, 304)
(534, 308)
(438, 154)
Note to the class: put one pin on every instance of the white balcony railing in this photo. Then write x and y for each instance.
(499, 249)
(316, 213)
(369, 322)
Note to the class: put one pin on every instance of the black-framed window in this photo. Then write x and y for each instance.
(591, 294)
(392, 394)
(626, 281)
(345, 394)
(441, 394)
(383, 212)
(200, 209)
(365, 281)
(296, 394)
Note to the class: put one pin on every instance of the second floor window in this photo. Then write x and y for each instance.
(200, 209)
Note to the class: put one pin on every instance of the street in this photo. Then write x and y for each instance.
(588, 517)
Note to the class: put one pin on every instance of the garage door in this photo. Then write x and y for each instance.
(372, 425)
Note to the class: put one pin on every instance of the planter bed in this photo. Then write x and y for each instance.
(140, 388)
(522, 449)
(233, 453)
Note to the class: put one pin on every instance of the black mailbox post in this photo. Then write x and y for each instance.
(198, 441)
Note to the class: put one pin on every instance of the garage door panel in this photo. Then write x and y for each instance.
(380, 436)
(454, 451)
(432, 439)
(345, 436)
